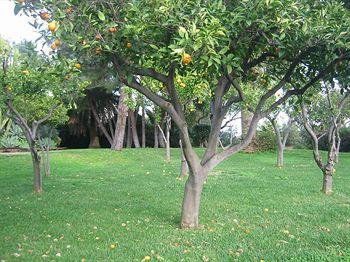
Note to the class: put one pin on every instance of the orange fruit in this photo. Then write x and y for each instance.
(77, 66)
(57, 42)
(52, 26)
(112, 29)
(186, 58)
(128, 45)
(20, 1)
(53, 46)
(44, 16)
(25, 72)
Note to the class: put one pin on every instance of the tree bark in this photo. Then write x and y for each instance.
(119, 132)
(184, 165)
(94, 139)
(143, 126)
(280, 156)
(38, 185)
(135, 137)
(191, 201)
(129, 137)
(168, 126)
(246, 119)
(156, 134)
(327, 182)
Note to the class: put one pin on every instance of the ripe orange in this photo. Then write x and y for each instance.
(186, 58)
(20, 1)
(44, 16)
(57, 42)
(112, 29)
(25, 72)
(54, 46)
(52, 26)
(128, 45)
(77, 66)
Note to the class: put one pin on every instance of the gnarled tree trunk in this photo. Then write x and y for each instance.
(184, 166)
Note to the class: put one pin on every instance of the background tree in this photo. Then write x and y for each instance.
(323, 117)
(34, 90)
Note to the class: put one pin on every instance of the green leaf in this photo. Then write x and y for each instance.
(101, 16)
(182, 31)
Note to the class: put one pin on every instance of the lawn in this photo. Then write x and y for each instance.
(123, 206)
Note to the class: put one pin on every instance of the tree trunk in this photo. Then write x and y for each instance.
(161, 140)
(119, 133)
(135, 137)
(94, 139)
(280, 156)
(129, 138)
(168, 141)
(156, 134)
(246, 119)
(191, 201)
(143, 127)
(38, 186)
(327, 182)
(184, 166)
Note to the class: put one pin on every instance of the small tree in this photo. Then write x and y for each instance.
(281, 137)
(324, 116)
(35, 91)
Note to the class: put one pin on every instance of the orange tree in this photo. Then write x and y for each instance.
(36, 90)
(228, 45)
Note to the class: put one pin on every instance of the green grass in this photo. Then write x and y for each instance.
(250, 209)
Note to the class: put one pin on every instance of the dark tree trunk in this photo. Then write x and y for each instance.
(94, 139)
(156, 134)
(38, 185)
(129, 137)
(327, 182)
(133, 120)
(191, 201)
(143, 127)
(119, 134)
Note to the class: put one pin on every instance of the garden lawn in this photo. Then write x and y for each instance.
(101, 205)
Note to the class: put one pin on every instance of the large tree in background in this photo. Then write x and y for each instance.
(220, 44)
(35, 90)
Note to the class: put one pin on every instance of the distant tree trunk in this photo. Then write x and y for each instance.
(133, 125)
(281, 139)
(156, 135)
(338, 146)
(184, 165)
(94, 139)
(161, 140)
(129, 137)
(143, 126)
(45, 149)
(168, 126)
(119, 134)
(166, 138)
(31, 137)
(99, 122)
(246, 119)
